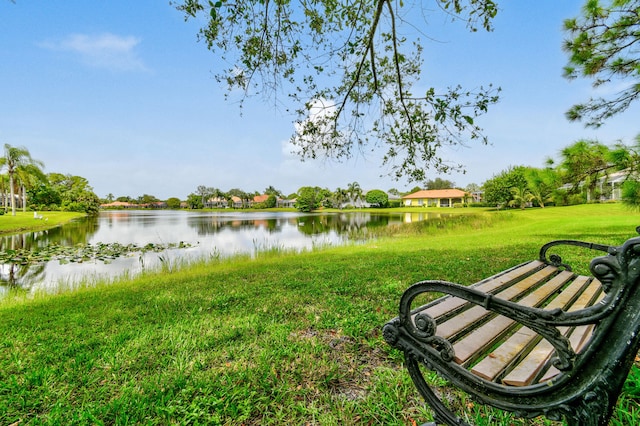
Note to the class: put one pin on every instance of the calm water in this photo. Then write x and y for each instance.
(209, 235)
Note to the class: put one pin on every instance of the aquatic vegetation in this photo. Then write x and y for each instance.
(104, 252)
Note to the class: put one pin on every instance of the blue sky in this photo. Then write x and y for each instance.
(121, 93)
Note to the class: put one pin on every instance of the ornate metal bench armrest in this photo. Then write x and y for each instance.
(556, 260)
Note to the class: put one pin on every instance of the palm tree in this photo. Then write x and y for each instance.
(4, 182)
(354, 191)
(521, 196)
(28, 175)
(340, 195)
(14, 158)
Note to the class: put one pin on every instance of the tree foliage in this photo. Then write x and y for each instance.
(499, 189)
(541, 184)
(311, 197)
(20, 165)
(194, 201)
(521, 196)
(271, 202)
(173, 202)
(584, 163)
(439, 183)
(604, 45)
(350, 72)
(377, 197)
(339, 197)
(75, 193)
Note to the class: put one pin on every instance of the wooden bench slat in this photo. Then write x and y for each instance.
(450, 303)
(485, 336)
(579, 337)
(526, 371)
(505, 354)
(477, 313)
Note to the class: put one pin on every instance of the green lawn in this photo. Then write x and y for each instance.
(24, 221)
(280, 339)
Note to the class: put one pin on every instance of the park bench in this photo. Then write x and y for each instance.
(536, 339)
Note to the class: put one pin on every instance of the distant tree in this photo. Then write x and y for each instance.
(377, 197)
(75, 193)
(439, 183)
(244, 196)
(206, 192)
(499, 189)
(340, 196)
(15, 158)
(194, 201)
(355, 192)
(520, 197)
(627, 158)
(584, 163)
(311, 198)
(173, 203)
(125, 199)
(29, 176)
(604, 45)
(542, 183)
(45, 196)
(394, 191)
(271, 201)
(631, 193)
(147, 199)
(414, 189)
(4, 184)
(109, 198)
(271, 190)
(473, 187)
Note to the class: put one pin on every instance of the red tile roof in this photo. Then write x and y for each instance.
(436, 193)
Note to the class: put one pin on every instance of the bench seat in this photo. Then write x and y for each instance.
(498, 348)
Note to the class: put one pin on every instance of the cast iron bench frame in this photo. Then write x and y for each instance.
(580, 379)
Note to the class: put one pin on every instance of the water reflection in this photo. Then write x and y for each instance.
(209, 234)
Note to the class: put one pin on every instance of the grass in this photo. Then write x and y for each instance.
(281, 338)
(24, 221)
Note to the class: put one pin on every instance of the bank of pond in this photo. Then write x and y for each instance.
(127, 242)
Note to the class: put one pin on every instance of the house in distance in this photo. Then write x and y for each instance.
(434, 198)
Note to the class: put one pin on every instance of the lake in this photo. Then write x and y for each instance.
(206, 234)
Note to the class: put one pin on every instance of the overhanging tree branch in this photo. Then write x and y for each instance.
(350, 75)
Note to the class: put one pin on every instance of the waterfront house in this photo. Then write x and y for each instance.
(434, 198)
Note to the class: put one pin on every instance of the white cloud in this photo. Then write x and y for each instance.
(320, 118)
(109, 51)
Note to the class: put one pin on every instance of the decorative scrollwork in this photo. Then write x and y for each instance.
(421, 326)
(555, 260)
(390, 334)
(589, 410)
(425, 324)
(443, 345)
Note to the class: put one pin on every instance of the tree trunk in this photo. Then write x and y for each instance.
(24, 199)
(13, 200)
